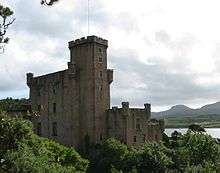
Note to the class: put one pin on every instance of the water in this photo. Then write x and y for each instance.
(214, 132)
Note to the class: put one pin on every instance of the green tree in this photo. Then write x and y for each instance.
(197, 149)
(155, 157)
(115, 156)
(48, 2)
(5, 21)
(196, 128)
(24, 152)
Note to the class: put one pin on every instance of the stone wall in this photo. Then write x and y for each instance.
(133, 126)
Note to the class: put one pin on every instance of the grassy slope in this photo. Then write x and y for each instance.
(208, 121)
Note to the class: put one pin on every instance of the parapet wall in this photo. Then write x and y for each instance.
(126, 108)
(88, 39)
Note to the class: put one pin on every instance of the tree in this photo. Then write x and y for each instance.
(5, 21)
(197, 151)
(196, 128)
(49, 3)
(23, 151)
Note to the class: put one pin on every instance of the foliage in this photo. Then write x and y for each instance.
(8, 103)
(49, 2)
(13, 130)
(115, 156)
(28, 153)
(197, 149)
(196, 128)
(155, 157)
(5, 21)
(194, 152)
(23, 151)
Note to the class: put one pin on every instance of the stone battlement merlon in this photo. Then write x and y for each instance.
(125, 105)
(88, 39)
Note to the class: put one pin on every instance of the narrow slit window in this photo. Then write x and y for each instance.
(100, 74)
(38, 108)
(54, 108)
(135, 139)
(39, 129)
(54, 128)
(100, 59)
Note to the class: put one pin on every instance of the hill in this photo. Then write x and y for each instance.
(182, 110)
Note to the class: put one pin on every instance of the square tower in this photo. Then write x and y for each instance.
(89, 57)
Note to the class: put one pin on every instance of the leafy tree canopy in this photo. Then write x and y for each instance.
(23, 151)
(48, 2)
(5, 21)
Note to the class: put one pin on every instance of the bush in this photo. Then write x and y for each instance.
(29, 153)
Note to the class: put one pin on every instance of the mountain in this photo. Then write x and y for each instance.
(182, 110)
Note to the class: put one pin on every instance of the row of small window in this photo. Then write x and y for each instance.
(40, 107)
(54, 129)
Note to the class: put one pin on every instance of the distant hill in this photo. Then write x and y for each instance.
(182, 110)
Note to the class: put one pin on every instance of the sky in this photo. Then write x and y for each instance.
(162, 52)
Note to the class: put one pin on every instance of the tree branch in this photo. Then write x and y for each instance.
(49, 3)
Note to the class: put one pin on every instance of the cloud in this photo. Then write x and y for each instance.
(154, 83)
(160, 53)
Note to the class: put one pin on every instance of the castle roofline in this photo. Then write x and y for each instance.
(88, 39)
(49, 74)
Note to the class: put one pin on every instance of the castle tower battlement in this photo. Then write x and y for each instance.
(89, 39)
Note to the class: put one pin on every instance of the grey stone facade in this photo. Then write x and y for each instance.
(75, 103)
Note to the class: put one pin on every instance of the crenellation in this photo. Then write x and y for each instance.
(88, 39)
(125, 105)
(30, 77)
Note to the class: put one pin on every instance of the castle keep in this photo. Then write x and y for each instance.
(75, 103)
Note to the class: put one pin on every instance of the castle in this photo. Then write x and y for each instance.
(74, 104)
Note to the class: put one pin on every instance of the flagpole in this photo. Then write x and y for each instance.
(88, 17)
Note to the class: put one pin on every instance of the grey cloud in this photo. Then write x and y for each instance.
(158, 84)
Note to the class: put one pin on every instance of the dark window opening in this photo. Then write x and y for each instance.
(39, 129)
(144, 138)
(156, 137)
(135, 139)
(54, 107)
(100, 50)
(38, 92)
(38, 108)
(138, 125)
(101, 137)
(100, 87)
(100, 59)
(54, 90)
(54, 128)
(100, 74)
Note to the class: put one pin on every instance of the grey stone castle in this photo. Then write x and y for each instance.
(75, 103)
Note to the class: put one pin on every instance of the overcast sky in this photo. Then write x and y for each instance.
(162, 52)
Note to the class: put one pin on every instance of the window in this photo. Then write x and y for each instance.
(156, 137)
(144, 138)
(100, 59)
(54, 128)
(54, 90)
(38, 108)
(100, 74)
(135, 139)
(100, 137)
(54, 107)
(38, 91)
(138, 125)
(55, 87)
(100, 88)
(100, 50)
(39, 129)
